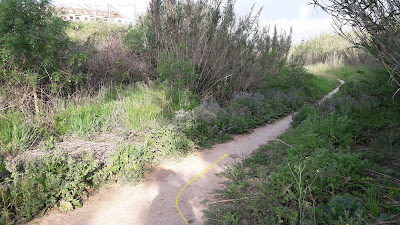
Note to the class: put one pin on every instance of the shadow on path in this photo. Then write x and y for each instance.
(163, 208)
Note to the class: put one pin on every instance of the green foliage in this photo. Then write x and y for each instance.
(314, 86)
(331, 170)
(135, 38)
(31, 40)
(176, 71)
(130, 161)
(84, 119)
(41, 184)
(342, 210)
(166, 140)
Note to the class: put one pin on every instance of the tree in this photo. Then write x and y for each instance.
(32, 39)
(376, 25)
(33, 45)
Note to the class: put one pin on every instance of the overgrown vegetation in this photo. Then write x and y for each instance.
(164, 86)
(189, 74)
(158, 136)
(337, 165)
(375, 28)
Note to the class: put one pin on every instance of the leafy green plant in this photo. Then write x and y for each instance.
(129, 162)
(32, 40)
(342, 210)
(167, 140)
(41, 184)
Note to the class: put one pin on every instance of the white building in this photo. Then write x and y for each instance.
(87, 15)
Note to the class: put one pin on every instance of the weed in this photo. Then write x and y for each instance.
(16, 135)
(54, 179)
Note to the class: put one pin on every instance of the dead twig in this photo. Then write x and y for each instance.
(385, 175)
(230, 200)
(385, 222)
(284, 142)
(7, 107)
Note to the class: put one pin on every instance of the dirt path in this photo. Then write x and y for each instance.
(152, 202)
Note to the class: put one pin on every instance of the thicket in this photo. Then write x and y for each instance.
(204, 47)
(337, 165)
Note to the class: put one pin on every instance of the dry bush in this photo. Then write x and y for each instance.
(110, 61)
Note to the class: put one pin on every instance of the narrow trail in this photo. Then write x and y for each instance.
(152, 202)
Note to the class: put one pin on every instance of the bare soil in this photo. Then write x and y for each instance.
(152, 201)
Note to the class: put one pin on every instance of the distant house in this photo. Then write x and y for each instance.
(87, 15)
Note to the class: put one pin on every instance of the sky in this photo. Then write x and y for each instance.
(305, 20)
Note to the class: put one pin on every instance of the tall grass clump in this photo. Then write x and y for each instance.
(330, 49)
(140, 106)
(83, 120)
(16, 134)
(202, 46)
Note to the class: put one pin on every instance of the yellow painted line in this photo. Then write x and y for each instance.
(191, 182)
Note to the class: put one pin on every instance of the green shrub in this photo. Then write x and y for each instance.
(341, 210)
(167, 140)
(129, 162)
(135, 38)
(33, 41)
(41, 184)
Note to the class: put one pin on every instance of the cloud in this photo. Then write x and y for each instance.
(309, 23)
